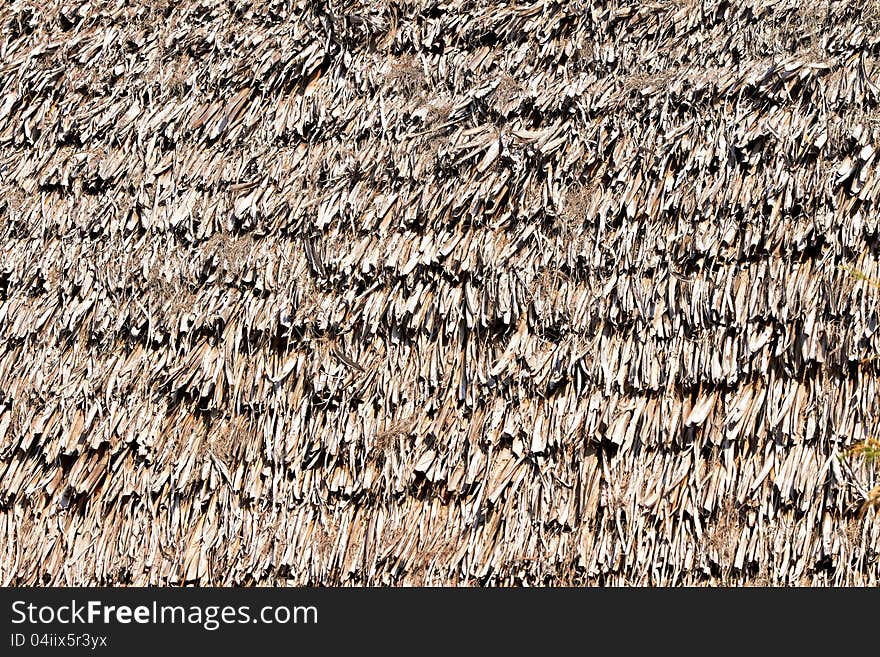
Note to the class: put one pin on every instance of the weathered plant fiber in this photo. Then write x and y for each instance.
(437, 293)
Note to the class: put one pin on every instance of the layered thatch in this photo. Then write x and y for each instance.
(464, 292)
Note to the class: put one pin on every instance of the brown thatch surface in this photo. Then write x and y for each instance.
(463, 292)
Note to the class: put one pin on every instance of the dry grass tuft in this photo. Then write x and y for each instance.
(507, 94)
(438, 112)
(577, 203)
(722, 537)
(386, 441)
(406, 77)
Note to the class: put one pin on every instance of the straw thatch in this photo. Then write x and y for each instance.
(419, 292)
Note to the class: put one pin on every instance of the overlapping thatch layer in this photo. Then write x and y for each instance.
(464, 292)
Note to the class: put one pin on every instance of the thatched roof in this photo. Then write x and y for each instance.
(462, 292)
